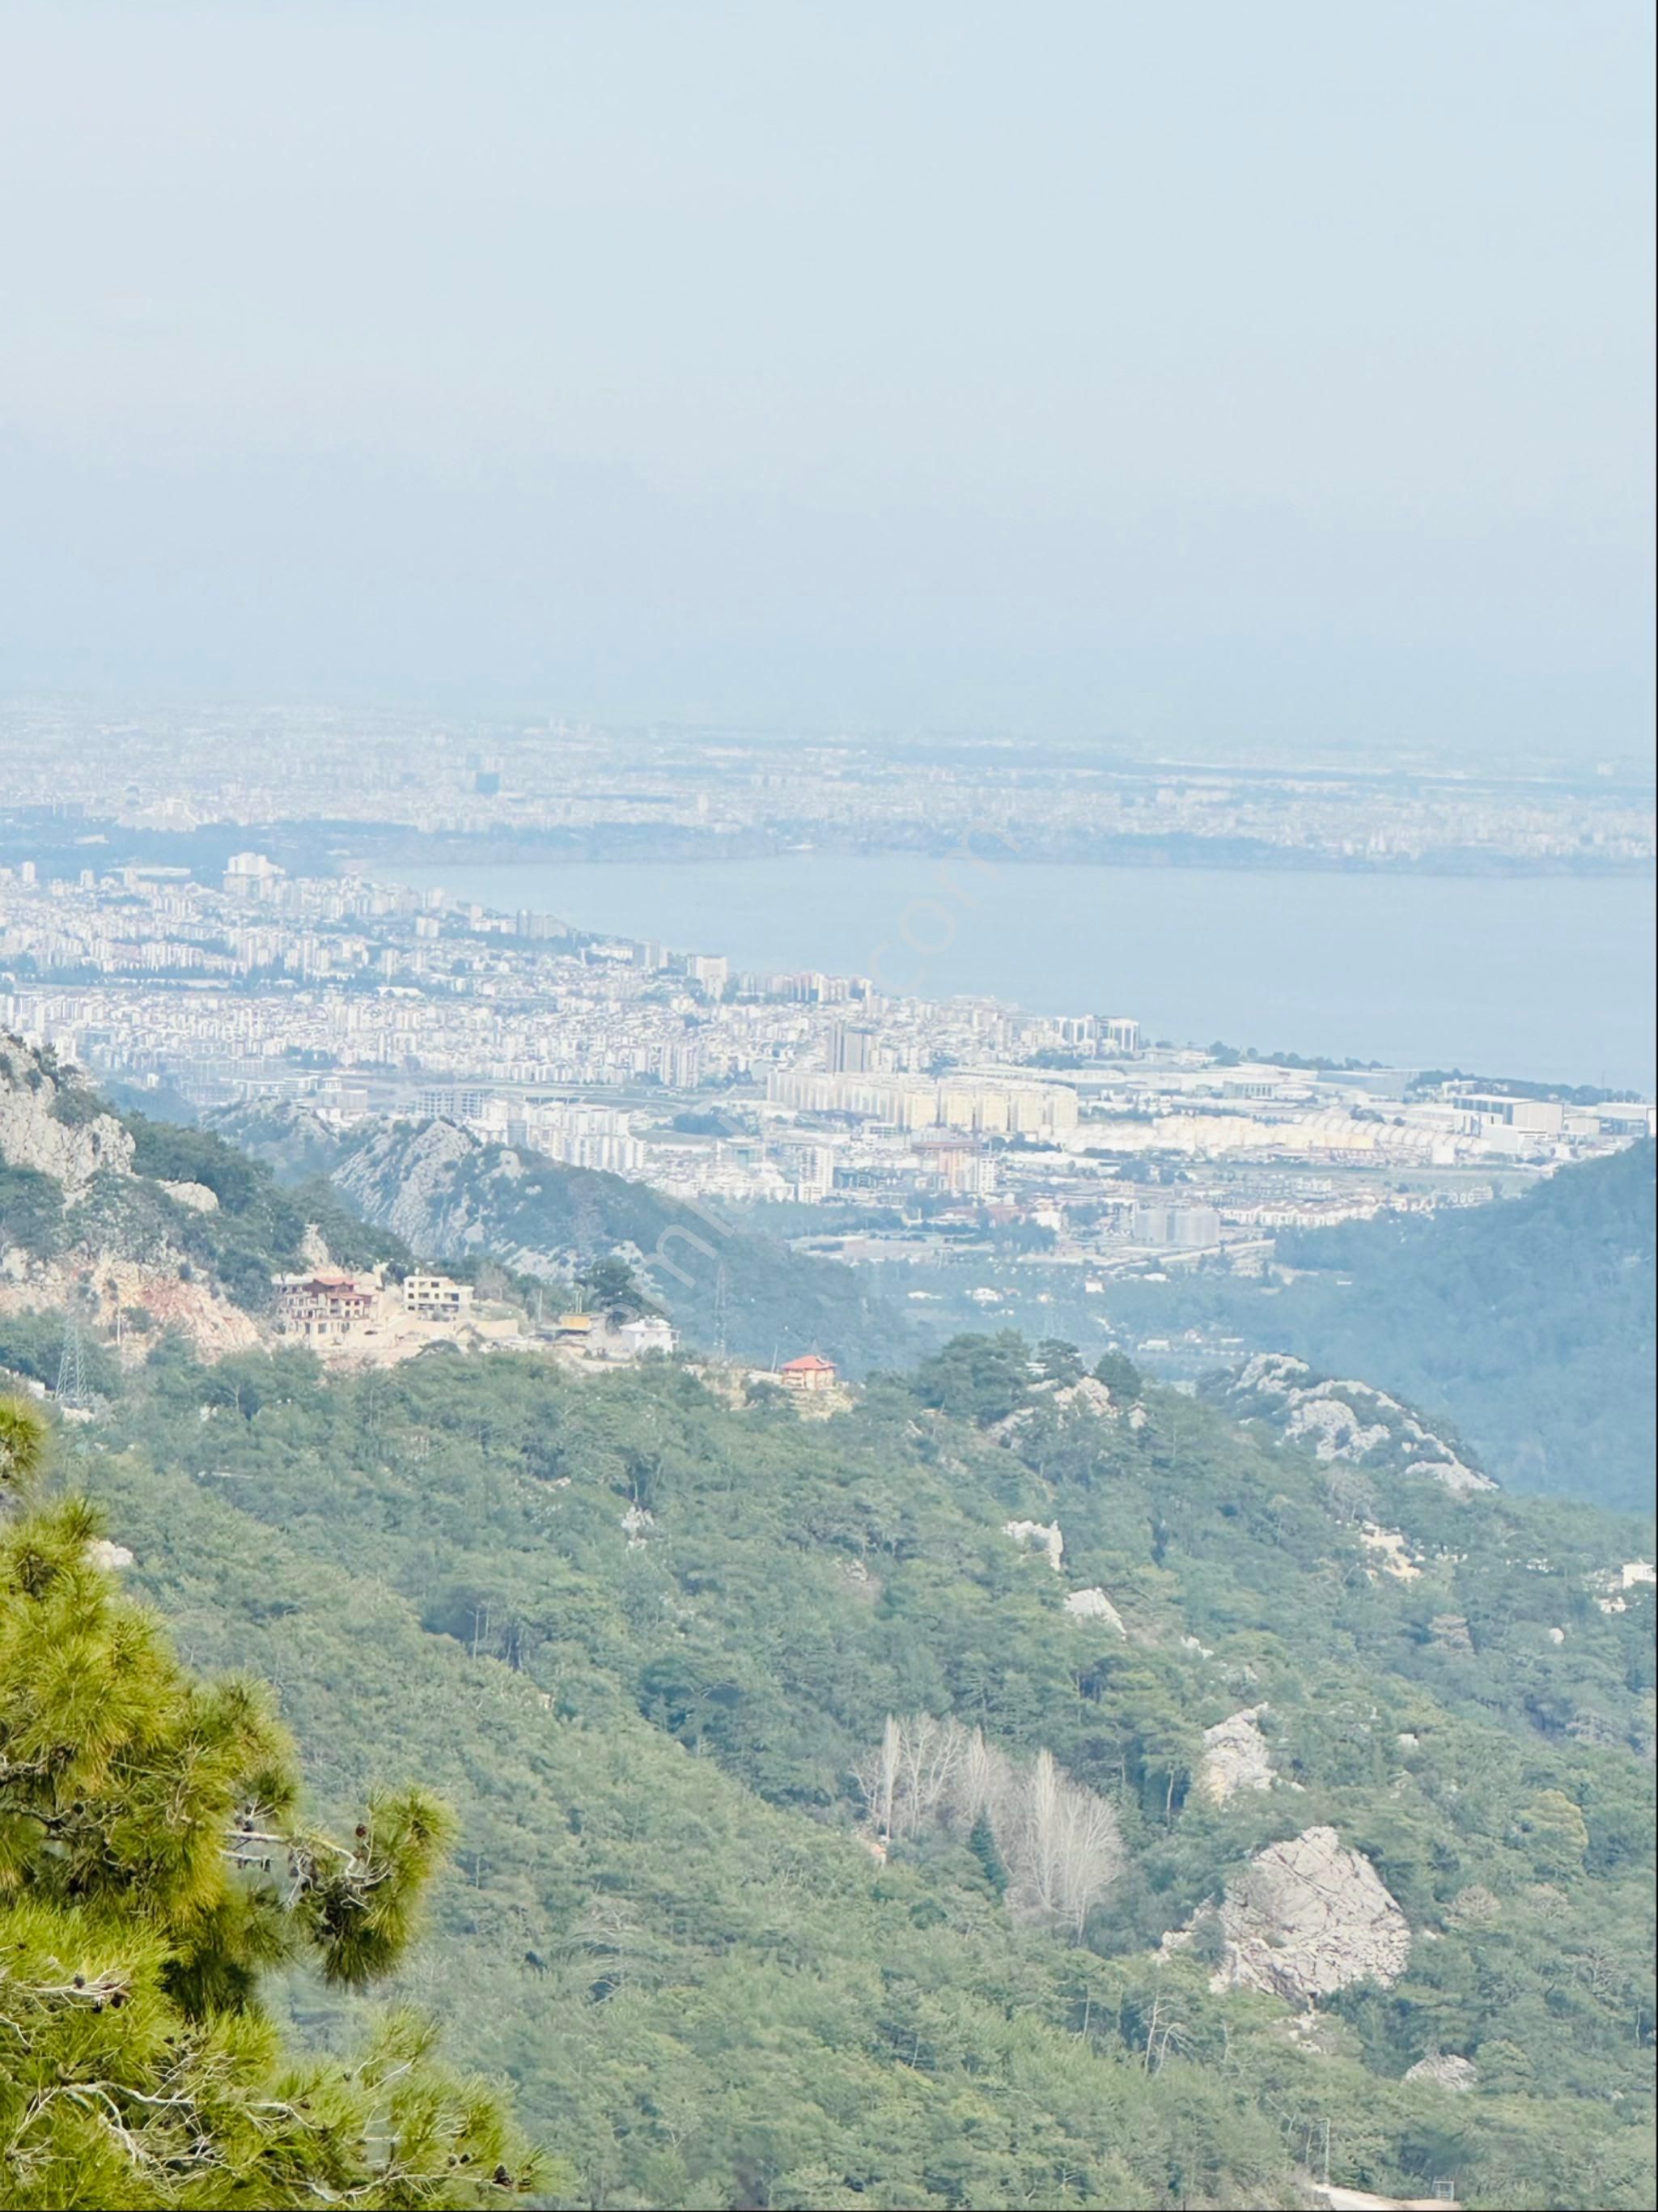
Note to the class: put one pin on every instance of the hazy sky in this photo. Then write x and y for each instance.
(1243, 369)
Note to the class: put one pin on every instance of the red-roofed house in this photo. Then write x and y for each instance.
(809, 1372)
(323, 1305)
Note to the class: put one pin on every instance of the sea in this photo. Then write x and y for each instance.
(1548, 978)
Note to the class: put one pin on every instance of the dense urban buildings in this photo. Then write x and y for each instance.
(901, 1122)
(548, 785)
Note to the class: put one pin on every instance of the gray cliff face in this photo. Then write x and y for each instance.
(35, 1134)
(1446, 2071)
(120, 1232)
(408, 1180)
(445, 1193)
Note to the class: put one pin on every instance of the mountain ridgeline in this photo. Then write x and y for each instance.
(154, 1224)
(1530, 1323)
(450, 1197)
(141, 1228)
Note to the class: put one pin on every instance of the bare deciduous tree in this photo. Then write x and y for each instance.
(1060, 1841)
(931, 1754)
(878, 1777)
(984, 1781)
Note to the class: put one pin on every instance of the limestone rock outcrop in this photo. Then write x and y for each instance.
(195, 1195)
(406, 1181)
(34, 1132)
(1095, 1605)
(1039, 1536)
(1448, 2071)
(1235, 1758)
(1087, 1395)
(1307, 1918)
(1341, 1420)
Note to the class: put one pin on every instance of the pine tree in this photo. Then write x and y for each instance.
(155, 1865)
(982, 1844)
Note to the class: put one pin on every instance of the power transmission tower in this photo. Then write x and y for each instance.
(720, 1312)
(71, 1367)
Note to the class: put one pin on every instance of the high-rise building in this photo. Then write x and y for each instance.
(852, 1050)
(710, 971)
(249, 875)
(539, 928)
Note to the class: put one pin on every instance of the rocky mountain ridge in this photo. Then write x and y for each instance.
(51, 1125)
(1341, 1420)
(452, 1195)
(82, 1228)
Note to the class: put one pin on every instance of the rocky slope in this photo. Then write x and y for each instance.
(1236, 1757)
(1532, 1324)
(448, 1194)
(1337, 1420)
(51, 1125)
(80, 1228)
(655, 1640)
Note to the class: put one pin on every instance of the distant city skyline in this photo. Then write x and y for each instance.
(352, 998)
(1197, 377)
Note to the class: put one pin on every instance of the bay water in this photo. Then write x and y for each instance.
(1550, 978)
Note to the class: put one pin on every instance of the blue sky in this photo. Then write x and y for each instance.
(1274, 376)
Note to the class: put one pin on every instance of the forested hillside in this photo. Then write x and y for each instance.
(650, 1640)
(1023, 1784)
(1528, 1326)
(1531, 1323)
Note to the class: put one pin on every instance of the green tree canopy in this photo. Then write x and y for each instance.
(612, 1289)
(155, 1866)
(978, 1378)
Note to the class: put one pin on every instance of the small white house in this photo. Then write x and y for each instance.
(648, 1332)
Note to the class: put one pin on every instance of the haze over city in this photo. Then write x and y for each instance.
(1211, 377)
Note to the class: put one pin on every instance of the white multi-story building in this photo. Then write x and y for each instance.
(436, 1297)
(710, 971)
